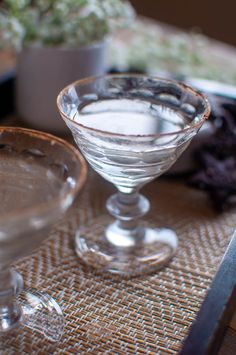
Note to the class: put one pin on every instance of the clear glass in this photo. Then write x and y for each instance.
(131, 129)
(40, 175)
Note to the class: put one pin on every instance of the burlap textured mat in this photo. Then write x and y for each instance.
(110, 315)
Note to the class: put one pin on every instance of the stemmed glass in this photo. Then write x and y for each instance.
(40, 175)
(131, 129)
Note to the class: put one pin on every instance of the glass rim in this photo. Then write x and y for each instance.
(37, 210)
(84, 81)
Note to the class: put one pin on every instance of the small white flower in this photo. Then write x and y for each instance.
(66, 22)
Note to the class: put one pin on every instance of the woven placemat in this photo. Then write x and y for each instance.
(110, 315)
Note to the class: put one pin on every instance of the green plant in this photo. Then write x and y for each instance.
(69, 23)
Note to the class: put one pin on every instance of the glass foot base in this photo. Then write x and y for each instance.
(36, 310)
(110, 252)
(40, 312)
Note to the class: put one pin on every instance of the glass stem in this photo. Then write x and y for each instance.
(11, 284)
(127, 208)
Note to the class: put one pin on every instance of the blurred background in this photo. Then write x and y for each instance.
(216, 19)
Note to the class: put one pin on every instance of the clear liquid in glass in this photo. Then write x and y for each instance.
(25, 183)
(130, 161)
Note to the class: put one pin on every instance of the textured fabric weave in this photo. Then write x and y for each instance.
(112, 315)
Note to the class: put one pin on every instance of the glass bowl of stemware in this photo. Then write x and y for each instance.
(131, 129)
(40, 176)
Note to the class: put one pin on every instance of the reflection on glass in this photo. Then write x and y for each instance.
(40, 176)
(131, 129)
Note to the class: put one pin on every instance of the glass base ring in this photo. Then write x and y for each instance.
(108, 251)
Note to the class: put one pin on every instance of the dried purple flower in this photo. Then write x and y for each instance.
(217, 158)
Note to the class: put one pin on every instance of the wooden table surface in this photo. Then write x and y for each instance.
(7, 62)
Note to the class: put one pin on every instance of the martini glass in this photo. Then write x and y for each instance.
(40, 176)
(131, 129)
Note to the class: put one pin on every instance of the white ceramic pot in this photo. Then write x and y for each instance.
(43, 72)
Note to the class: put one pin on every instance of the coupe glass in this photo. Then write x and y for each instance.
(40, 176)
(131, 129)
